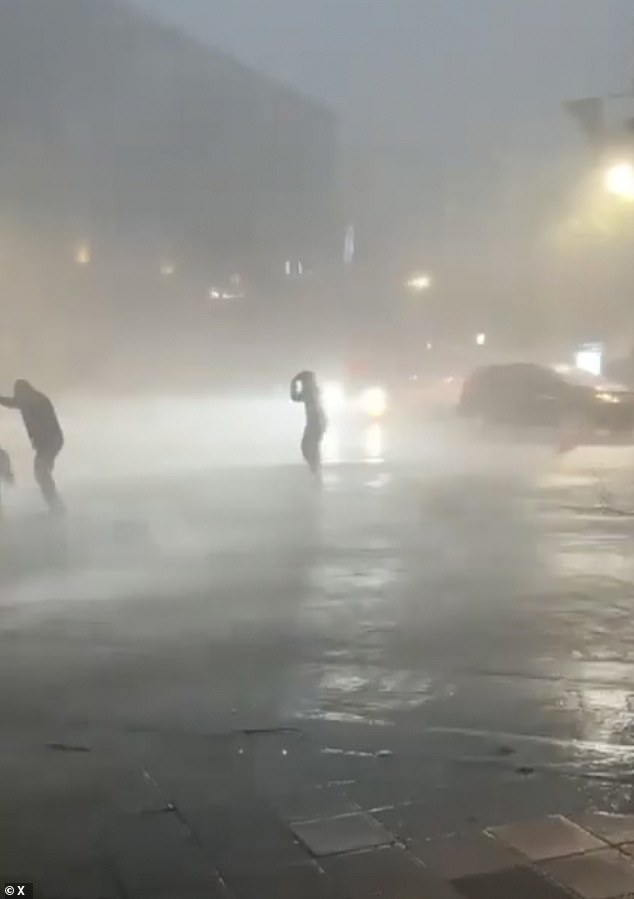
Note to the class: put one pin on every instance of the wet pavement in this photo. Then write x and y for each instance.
(230, 684)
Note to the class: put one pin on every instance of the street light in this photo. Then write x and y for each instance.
(419, 283)
(481, 338)
(619, 180)
(82, 254)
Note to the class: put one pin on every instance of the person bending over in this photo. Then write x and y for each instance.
(45, 434)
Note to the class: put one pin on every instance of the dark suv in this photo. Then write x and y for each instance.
(524, 395)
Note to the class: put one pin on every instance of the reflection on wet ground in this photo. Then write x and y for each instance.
(423, 612)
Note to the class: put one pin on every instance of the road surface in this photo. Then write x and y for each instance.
(443, 639)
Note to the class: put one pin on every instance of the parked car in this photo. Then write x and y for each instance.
(523, 395)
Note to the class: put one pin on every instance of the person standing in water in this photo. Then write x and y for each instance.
(45, 434)
(304, 389)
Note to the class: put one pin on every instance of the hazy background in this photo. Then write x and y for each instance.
(450, 110)
(152, 150)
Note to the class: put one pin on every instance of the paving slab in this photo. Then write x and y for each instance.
(345, 833)
(384, 872)
(296, 882)
(464, 855)
(246, 839)
(515, 883)
(70, 881)
(106, 780)
(597, 875)
(614, 829)
(421, 820)
(627, 849)
(312, 804)
(157, 853)
(551, 837)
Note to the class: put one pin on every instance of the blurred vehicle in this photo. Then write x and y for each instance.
(433, 395)
(622, 370)
(523, 395)
(355, 401)
(356, 409)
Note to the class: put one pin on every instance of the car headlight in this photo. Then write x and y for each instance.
(333, 397)
(608, 397)
(374, 402)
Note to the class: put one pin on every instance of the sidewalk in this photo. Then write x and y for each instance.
(295, 701)
(245, 816)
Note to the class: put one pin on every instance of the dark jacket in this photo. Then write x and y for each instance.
(40, 420)
(304, 390)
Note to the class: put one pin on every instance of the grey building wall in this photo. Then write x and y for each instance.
(127, 132)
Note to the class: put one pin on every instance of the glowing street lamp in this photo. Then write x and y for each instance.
(619, 181)
(481, 339)
(419, 283)
(167, 269)
(82, 254)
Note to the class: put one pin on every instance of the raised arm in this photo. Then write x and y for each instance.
(297, 388)
(9, 402)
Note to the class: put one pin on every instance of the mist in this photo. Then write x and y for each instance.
(317, 431)
(144, 171)
(182, 228)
